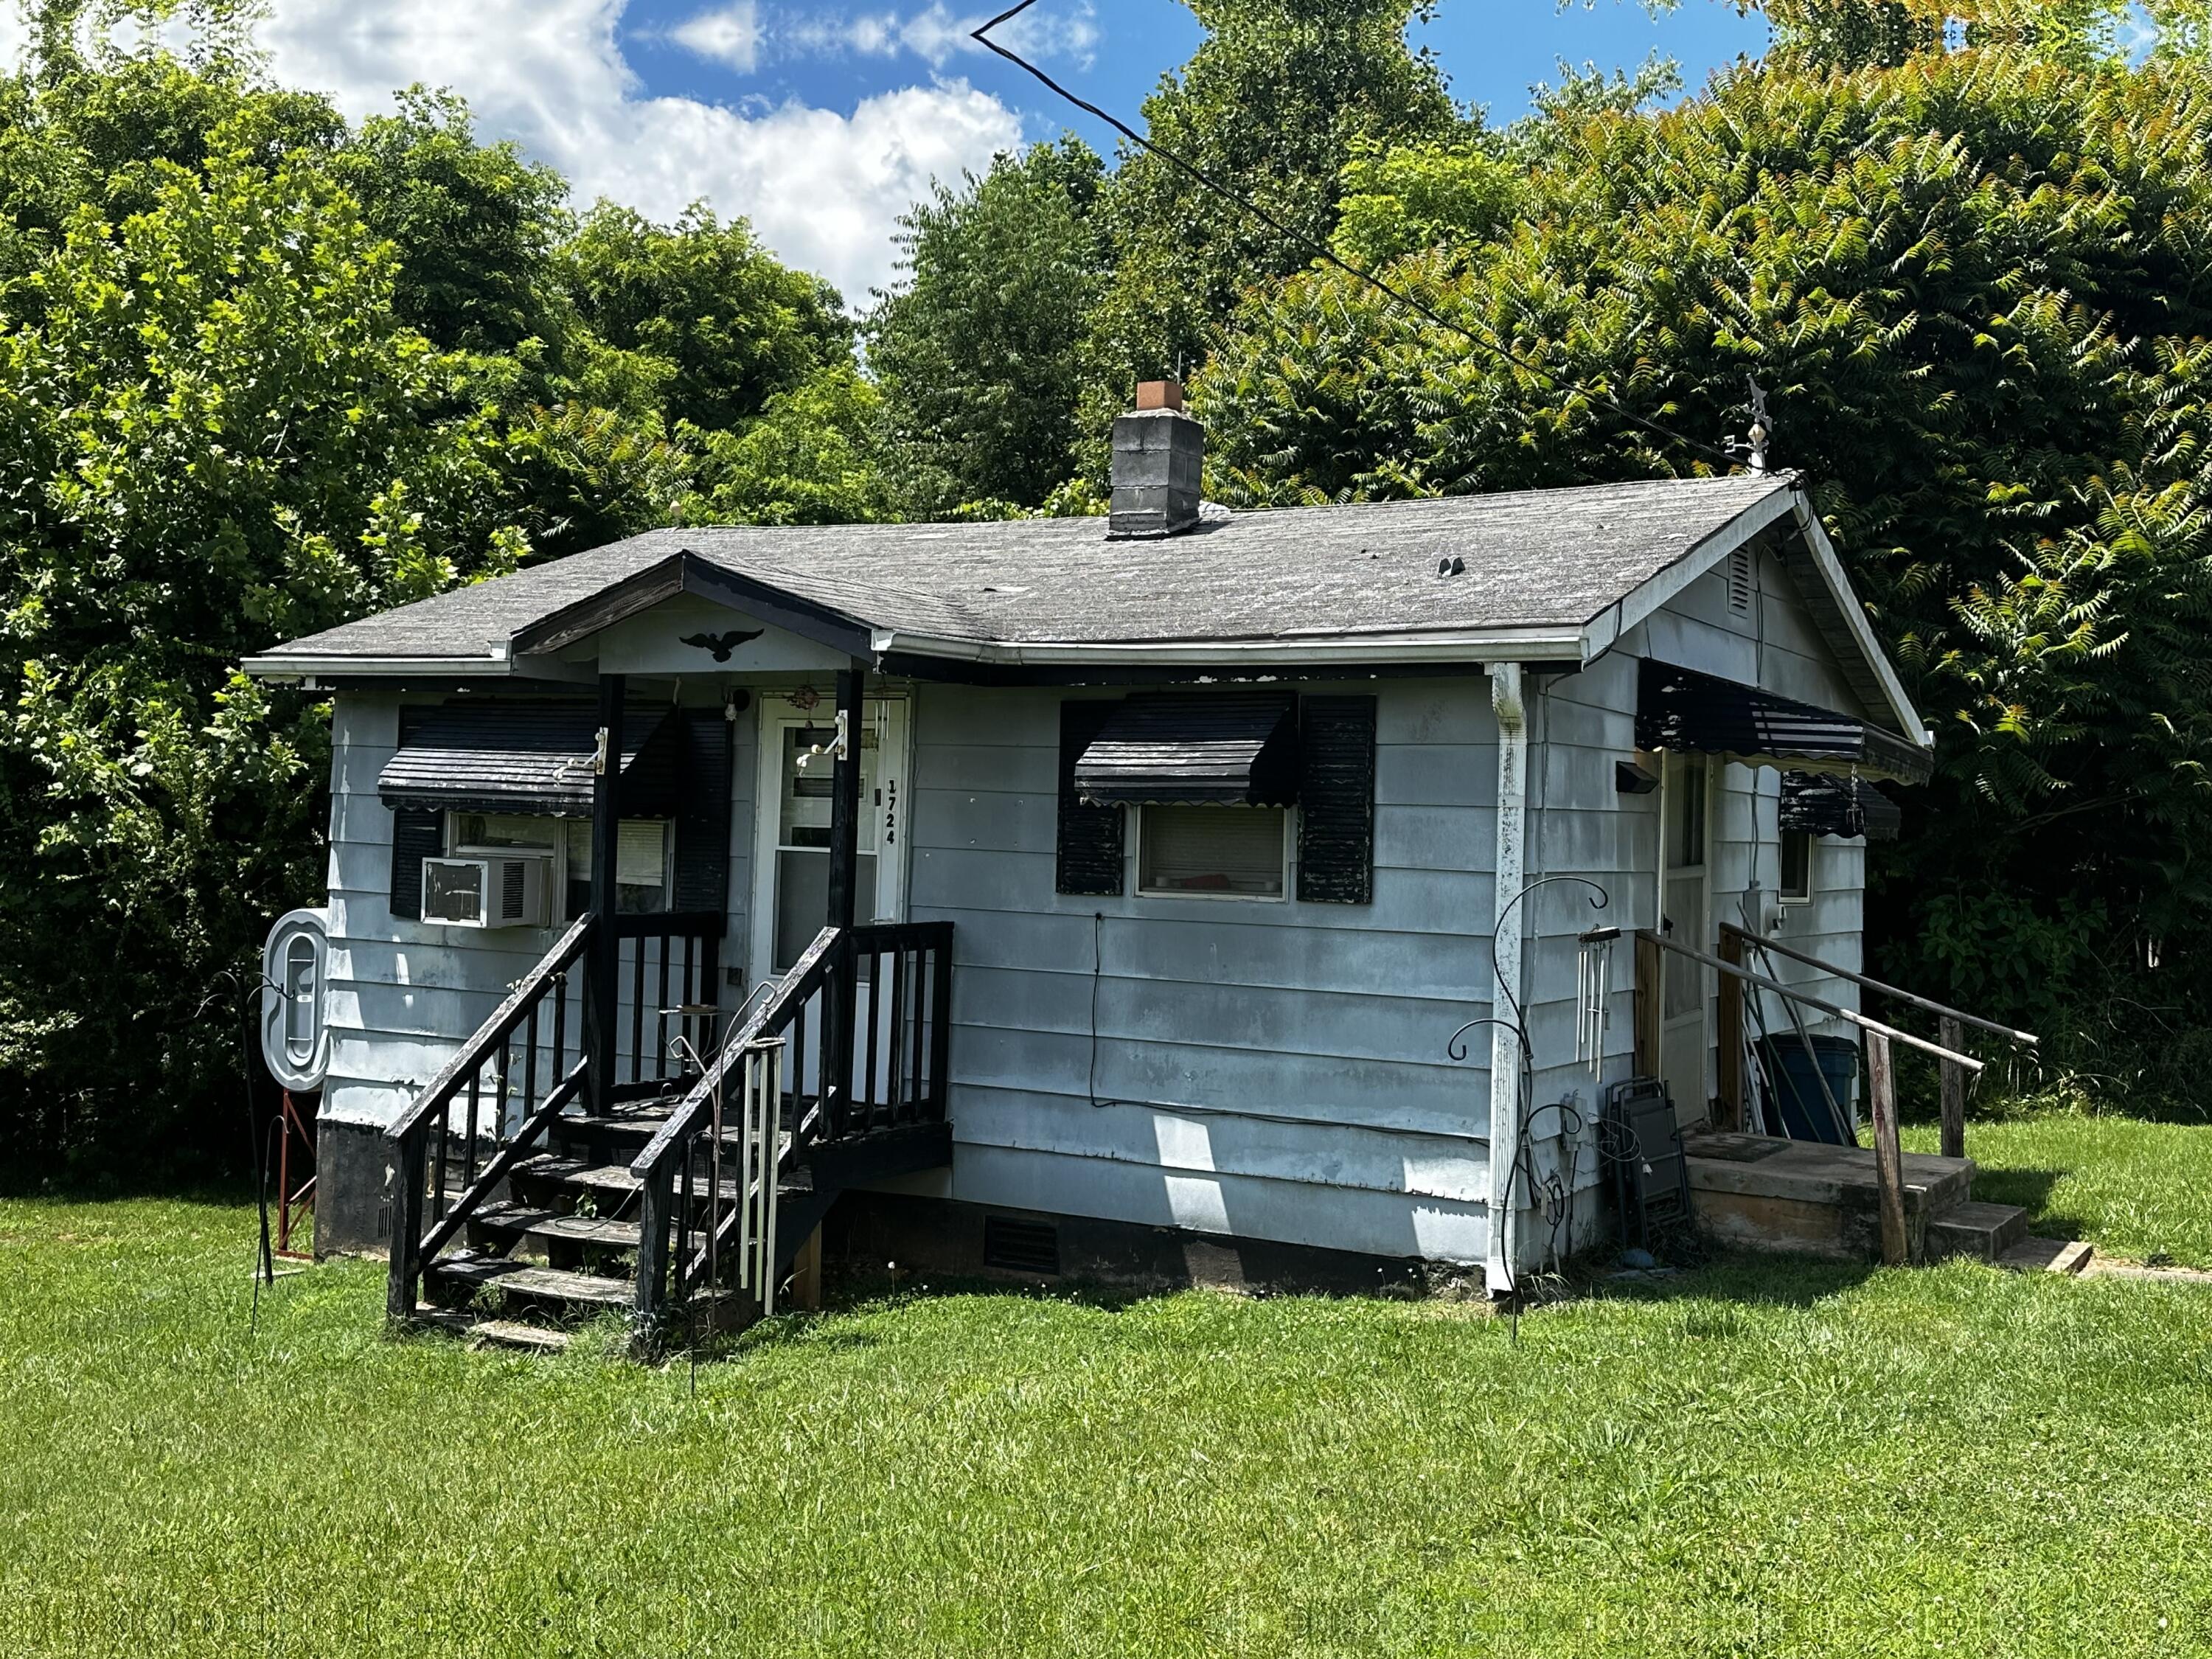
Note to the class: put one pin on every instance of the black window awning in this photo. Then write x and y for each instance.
(533, 758)
(1234, 749)
(1816, 805)
(1681, 710)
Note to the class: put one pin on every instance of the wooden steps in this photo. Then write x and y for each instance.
(1805, 1197)
(529, 1222)
(559, 1242)
(514, 1278)
(485, 1333)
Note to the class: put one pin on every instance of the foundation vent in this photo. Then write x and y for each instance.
(1021, 1247)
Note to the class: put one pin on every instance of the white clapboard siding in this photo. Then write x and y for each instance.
(1265, 1048)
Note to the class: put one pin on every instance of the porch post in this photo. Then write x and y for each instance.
(604, 960)
(842, 1005)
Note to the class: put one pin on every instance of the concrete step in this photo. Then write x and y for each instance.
(1981, 1232)
(2047, 1255)
(1763, 1193)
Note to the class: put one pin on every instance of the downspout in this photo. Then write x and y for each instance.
(1505, 1056)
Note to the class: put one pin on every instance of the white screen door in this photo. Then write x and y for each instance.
(791, 888)
(1686, 902)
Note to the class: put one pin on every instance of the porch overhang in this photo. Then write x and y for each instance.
(1683, 711)
(1226, 749)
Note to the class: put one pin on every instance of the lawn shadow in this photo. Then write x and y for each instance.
(2031, 1190)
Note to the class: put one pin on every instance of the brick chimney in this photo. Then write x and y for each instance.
(1158, 453)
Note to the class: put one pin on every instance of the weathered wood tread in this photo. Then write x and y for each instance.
(615, 1178)
(2049, 1255)
(484, 1333)
(520, 1279)
(551, 1224)
(648, 1122)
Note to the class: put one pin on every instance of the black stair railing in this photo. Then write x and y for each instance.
(497, 1098)
(894, 1076)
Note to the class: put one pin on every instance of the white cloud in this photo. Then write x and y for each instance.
(731, 35)
(823, 189)
(14, 36)
(933, 33)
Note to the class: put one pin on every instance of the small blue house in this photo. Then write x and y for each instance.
(1102, 890)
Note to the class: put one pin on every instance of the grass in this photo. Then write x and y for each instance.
(1766, 1458)
(2133, 1188)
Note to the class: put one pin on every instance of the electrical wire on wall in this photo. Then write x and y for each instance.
(1320, 251)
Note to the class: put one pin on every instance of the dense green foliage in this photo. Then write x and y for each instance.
(1276, 100)
(1787, 1459)
(1979, 289)
(976, 352)
(695, 319)
(259, 374)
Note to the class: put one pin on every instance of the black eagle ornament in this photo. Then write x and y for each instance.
(721, 644)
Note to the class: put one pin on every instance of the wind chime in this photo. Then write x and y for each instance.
(1594, 997)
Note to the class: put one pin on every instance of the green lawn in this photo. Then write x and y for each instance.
(1770, 1460)
(2132, 1188)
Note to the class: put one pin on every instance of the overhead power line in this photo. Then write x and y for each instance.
(1327, 255)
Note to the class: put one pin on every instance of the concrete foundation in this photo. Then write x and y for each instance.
(354, 1177)
(905, 1237)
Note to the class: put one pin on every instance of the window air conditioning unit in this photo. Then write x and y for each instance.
(498, 889)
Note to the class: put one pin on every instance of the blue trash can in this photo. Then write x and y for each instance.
(1793, 1085)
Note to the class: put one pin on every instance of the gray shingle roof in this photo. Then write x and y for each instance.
(1534, 559)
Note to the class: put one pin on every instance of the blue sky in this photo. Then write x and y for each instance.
(821, 120)
(1114, 52)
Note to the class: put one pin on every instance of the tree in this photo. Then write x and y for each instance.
(695, 319)
(220, 435)
(474, 225)
(976, 354)
(1976, 286)
(1273, 104)
(810, 458)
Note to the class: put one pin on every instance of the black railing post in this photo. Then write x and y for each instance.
(941, 1024)
(840, 1006)
(407, 1226)
(603, 958)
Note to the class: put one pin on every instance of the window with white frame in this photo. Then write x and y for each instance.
(1796, 877)
(1221, 852)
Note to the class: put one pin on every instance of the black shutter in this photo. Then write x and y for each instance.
(417, 833)
(1336, 801)
(702, 820)
(1090, 850)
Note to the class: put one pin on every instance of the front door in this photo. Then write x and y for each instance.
(791, 889)
(1686, 916)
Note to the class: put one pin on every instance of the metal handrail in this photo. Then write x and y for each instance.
(1927, 1005)
(1811, 1001)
